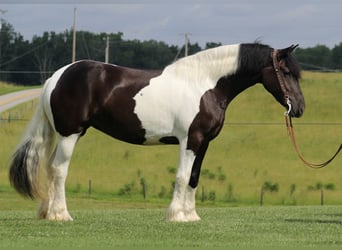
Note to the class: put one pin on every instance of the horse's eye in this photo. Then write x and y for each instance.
(287, 73)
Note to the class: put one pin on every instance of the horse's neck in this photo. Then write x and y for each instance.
(231, 86)
(214, 68)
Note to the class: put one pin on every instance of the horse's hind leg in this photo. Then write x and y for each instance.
(57, 173)
(46, 200)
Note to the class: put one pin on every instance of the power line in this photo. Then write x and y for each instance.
(25, 72)
(240, 123)
(24, 54)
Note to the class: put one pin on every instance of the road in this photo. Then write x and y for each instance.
(13, 99)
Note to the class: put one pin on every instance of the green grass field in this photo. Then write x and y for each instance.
(253, 148)
(252, 227)
(6, 88)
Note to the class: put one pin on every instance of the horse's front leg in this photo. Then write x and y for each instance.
(176, 211)
(190, 196)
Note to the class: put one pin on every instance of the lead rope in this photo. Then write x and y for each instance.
(290, 131)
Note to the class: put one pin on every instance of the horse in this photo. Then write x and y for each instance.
(184, 104)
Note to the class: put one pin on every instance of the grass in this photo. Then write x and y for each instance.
(276, 226)
(6, 88)
(253, 148)
(238, 163)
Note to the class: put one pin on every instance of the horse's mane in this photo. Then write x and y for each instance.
(293, 65)
(213, 63)
(245, 58)
(254, 56)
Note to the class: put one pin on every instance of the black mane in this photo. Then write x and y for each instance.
(255, 56)
(293, 65)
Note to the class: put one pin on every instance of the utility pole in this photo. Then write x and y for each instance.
(74, 38)
(1, 12)
(186, 44)
(107, 50)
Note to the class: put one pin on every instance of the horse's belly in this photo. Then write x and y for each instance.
(157, 127)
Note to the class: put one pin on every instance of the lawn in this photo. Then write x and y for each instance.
(6, 88)
(276, 226)
(252, 149)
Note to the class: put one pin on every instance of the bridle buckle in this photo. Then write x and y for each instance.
(288, 102)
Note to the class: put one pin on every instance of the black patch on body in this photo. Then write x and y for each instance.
(100, 95)
(169, 140)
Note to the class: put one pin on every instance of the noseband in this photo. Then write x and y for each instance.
(288, 120)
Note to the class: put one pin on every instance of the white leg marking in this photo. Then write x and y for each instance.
(189, 204)
(59, 170)
(49, 194)
(176, 211)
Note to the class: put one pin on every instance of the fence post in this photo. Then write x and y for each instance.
(322, 197)
(89, 187)
(144, 187)
(262, 196)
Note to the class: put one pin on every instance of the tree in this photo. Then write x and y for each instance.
(46, 53)
(212, 45)
(337, 56)
(316, 58)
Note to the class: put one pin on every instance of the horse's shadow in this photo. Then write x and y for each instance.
(318, 221)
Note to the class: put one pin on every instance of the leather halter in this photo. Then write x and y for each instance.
(288, 120)
(281, 80)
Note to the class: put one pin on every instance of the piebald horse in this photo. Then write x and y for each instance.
(185, 104)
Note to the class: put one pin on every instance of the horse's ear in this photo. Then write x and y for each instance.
(285, 52)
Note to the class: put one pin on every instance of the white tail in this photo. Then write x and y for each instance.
(31, 154)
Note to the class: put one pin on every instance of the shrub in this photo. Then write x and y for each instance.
(269, 186)
(126, 189)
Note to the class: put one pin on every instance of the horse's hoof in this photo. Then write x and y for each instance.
(176, 216)
(61, 216)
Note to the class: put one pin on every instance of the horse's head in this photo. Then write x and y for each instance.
(281, 78)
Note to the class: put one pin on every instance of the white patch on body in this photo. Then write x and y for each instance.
(168, 105)
(49, 86)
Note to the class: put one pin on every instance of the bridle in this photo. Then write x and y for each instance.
(288, 120)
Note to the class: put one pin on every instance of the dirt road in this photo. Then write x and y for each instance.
(10, 100)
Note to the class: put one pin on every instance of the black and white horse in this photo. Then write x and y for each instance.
(185, 104)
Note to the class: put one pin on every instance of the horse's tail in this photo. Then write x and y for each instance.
(31, 154)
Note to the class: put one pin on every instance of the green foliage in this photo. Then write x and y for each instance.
(6, 88)
(292, 189)
(163, 192)
(320, 57)
(212, 196)
(320, 186)
(269, 186)
(172, 170)
(127, 189)
(51, 50)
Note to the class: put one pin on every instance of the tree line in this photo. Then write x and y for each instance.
(32, 62)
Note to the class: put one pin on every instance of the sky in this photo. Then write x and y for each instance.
(277, 23)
